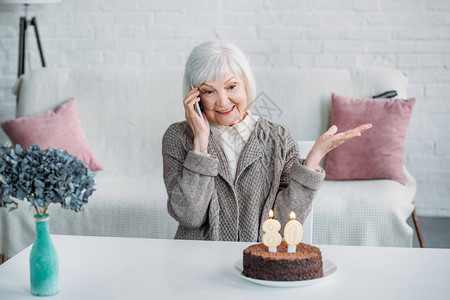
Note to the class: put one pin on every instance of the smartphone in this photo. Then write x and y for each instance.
(197, 107)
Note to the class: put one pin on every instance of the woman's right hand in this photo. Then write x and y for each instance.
(198, 126)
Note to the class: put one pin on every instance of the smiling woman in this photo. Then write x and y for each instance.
(224, 101)
(225, 171)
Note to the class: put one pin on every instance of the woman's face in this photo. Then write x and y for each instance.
(224, 101)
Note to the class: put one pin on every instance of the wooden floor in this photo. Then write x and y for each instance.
(435, 232)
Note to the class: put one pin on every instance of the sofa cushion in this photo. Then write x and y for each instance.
(364, 212)
(58, 128)
(378, 153)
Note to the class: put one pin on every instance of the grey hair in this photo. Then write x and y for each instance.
(210, 60)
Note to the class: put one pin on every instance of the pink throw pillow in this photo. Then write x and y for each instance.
(59, 128)
(378, 152)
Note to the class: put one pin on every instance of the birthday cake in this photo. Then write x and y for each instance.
(304, 264)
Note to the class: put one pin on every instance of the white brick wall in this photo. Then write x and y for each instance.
(411, 35)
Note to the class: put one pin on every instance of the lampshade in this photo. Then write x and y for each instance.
(28, 1)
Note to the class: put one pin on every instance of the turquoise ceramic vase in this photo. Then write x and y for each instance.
(44, 267)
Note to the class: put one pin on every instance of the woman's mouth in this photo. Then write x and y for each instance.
(227, 111)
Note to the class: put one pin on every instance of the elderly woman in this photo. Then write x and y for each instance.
(226, 169)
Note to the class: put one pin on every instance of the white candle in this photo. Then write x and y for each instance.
(293, 232)
(272, 239)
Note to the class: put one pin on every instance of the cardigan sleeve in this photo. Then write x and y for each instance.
(298, 185)
(189, 179)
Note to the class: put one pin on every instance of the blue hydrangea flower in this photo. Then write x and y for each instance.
(43, 177)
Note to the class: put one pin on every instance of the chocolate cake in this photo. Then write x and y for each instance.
(304, 264)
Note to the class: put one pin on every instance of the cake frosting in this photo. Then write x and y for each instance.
(304, 264)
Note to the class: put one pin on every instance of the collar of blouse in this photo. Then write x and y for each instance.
(242, 129)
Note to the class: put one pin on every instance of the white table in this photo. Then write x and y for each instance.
(124, 268)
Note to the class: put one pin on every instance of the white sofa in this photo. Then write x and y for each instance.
(125, 113)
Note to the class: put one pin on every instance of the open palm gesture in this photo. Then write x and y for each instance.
(330, 140)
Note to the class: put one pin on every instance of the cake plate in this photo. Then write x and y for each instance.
(329, 268)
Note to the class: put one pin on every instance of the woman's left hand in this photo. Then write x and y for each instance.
(330, 140)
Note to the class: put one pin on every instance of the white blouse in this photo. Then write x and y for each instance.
(232, 139)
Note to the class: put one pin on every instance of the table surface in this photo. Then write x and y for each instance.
(128, 268)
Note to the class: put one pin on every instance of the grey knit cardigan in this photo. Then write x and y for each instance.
(206, 202)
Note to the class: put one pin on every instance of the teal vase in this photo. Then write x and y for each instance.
(44, 267)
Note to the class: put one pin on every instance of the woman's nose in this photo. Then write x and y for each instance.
(222, 99)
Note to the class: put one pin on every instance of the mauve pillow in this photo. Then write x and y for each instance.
(59, 128)
(378, 152)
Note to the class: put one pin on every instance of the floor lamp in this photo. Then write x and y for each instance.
(24, 23)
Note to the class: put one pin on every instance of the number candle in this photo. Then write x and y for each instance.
(293, 232)
(271, 238)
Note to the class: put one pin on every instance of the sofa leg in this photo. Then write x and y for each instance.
(418, 231)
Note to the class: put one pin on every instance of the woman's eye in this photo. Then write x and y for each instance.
(207, 92)
(232, 86)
